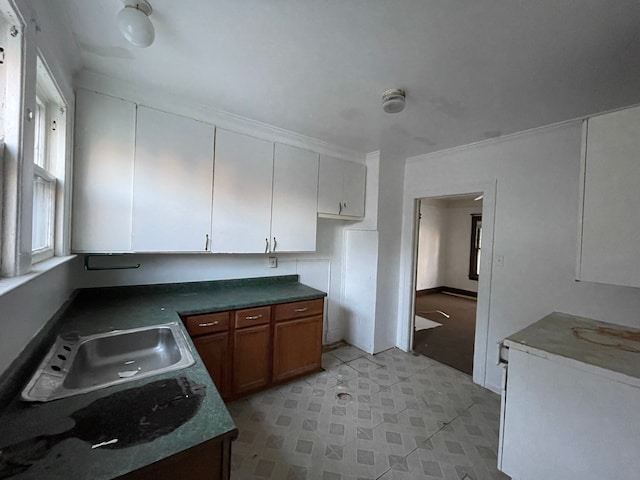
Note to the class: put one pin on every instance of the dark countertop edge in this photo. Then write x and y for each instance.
(257, 303)
(182, 286)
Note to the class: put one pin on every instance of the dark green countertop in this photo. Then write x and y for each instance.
(105, 309)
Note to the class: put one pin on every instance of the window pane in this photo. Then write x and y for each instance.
(43, 209)
(39, 148)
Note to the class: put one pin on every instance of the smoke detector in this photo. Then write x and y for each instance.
(393, 100)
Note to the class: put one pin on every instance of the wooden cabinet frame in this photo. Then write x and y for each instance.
(266, 330)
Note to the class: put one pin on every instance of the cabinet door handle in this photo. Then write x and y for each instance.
(301, 309)
(253, 317)
(275, 244)
(208, 324)
(266, 245)
(340, 208)
(206, 242)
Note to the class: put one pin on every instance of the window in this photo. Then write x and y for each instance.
(476, 242)
(47, 158)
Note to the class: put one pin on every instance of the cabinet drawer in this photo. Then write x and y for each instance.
(286, 311)
(207, 323)
(253, 316)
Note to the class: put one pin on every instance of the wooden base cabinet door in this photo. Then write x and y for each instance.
(297, 347)
(214, 351)
(251, 358)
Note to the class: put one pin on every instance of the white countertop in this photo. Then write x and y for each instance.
(601, 348)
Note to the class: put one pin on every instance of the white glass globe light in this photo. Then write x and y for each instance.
(135, 26)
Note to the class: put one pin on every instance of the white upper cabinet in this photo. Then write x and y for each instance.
(242, 186)
(264, 196)
(609, 250)
(103, 173)
(353, 185)
(341, 188)
(295, 200)
(172, 183)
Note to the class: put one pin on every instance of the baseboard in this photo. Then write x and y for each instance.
(445, 289)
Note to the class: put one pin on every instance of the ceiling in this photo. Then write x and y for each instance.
(472, 69)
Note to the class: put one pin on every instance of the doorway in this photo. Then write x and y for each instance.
(448, 254)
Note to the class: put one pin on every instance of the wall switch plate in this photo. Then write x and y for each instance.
(273, 262)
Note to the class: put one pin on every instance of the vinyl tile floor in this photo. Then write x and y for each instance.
(390, 416)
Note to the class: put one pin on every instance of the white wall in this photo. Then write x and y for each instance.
(26, 309)
(432, 244)
(443, 244)
(535, 230)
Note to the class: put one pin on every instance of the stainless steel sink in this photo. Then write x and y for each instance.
(78, 364)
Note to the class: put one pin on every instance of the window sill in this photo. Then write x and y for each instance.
(8, 284)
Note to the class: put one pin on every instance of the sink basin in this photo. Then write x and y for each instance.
(78, 364)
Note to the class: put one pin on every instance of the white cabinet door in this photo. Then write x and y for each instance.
(330, 185)
(341, 188)
(242, 185)
(611, 217)
(295, 200)
(172, 183)
(103, 173)
(353, 184)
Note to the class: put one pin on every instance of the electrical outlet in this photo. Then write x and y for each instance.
(273, 262)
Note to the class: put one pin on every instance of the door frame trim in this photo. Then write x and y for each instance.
(408, 265)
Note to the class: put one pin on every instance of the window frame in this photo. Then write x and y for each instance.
(475, 246)
(49, 159)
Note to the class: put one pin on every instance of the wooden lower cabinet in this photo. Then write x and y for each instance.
(210, 460)
(252, 349)
(251, 358)
(214, 351)
(296, 349)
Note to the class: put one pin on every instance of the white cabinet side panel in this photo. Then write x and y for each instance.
(361, 274)
(295, 199)
(353, 185)
(611, 217)
(330, 185)
(242, 186)
(172, 183)
(103, 173)
(562, 423)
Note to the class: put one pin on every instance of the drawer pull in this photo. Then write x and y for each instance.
(301, 309)
(253, 317)
(209, 324)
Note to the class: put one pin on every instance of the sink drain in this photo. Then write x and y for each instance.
(344, 396)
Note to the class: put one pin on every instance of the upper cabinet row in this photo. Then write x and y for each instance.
(610, 219)
(150, 181)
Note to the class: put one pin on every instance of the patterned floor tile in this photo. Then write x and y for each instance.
(391, 416)
(347, 353)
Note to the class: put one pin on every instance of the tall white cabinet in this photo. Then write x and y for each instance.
(103, 173)
(172, 183)
(610, 217)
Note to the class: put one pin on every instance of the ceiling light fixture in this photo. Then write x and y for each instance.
(393, 100)
(134, 23)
